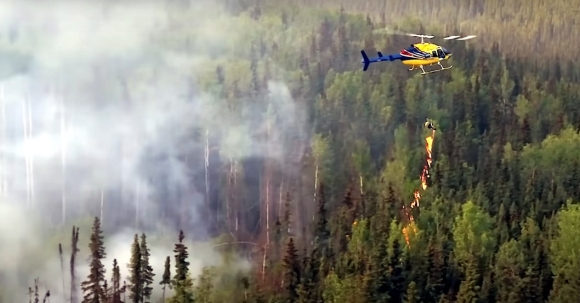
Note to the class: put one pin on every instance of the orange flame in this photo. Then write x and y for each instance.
(417, 195)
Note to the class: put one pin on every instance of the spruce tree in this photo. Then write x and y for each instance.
(397, 287)
(181, 264)
(292, 275)
(146, 270)
(166, 278)
(379, 280)
(469, 288)
(436, 263)
(253, 292)
(107, 291)
(116, 283)
(182, 281)
(321, 254)
(412, 295)
(204, 289)
(93, 287)
(135, 273)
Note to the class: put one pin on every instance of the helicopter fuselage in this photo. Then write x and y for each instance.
(424, 54)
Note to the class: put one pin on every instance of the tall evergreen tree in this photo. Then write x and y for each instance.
(146, 270)
(181, 264)
(135, 272)
(166, 278)
(93, 287)
(412, 295)
(436, 275)
(396, 274)
(182, 282)
(469, 289)
(292, 275)
(321, 256)
(379, 260)
(116, 283)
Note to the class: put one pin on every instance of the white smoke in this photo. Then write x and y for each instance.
(126, 84)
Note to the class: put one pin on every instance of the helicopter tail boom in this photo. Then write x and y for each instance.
(366, 61)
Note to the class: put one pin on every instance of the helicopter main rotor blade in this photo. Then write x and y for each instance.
(421, 36)
(460, 39)
(398, 32)
(467, 38)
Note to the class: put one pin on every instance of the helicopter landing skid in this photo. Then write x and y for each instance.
(437, 70)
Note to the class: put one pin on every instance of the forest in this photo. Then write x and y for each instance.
(238, 153)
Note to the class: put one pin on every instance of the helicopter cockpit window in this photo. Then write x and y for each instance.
(440, 53)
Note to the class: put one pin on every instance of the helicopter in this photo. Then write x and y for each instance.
(418, 54)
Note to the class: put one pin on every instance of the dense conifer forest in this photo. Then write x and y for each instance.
(301, 177)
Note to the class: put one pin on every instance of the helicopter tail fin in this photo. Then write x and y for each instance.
(366, 62)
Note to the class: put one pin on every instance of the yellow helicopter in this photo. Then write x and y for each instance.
(418, 54)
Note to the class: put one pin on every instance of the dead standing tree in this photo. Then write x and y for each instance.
(74, 251)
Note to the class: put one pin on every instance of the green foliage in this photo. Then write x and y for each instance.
(347, 289)
(204, 288)
(146, 270)
(564, 249)
(135, 272)
(93, 287)
(412, 295)
(508, 271)
(473, 234)
(166, 278)
(292, 274)
(183, 290)
(182, 281)
(115, 295)
(490, 226)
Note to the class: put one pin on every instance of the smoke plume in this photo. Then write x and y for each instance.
(104, 113)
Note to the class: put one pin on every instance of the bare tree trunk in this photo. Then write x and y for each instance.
(232, 208)
(280, 199)
(267, 244)
(46, 297)
(74, 251)
(268, 177)
(268, 211)
(230, 195)
(236, 201)
(61, 268)
(206, 158)
(315, 186)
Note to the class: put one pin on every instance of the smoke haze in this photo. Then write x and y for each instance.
(103, 113)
